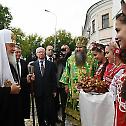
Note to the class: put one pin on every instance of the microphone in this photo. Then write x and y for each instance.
(31, 67)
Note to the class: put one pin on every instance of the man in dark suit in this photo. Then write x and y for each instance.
(25, 87)
(44, 88)
(49, 53)
(50, 57)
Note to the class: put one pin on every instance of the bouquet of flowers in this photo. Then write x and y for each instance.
(89, 84)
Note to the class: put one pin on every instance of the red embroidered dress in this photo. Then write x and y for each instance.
(98, 72)
(109, 73)
(120, 116)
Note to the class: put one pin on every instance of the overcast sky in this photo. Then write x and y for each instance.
(30, 15)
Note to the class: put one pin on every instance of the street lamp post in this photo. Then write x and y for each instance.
(55, 27)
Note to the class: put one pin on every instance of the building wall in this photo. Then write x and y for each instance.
(116, 8)
(95, 12)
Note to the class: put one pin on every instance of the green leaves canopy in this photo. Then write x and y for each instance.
(31, 42)
(62, 37)
(5, 17)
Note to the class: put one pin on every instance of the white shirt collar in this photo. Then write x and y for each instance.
(49, 57)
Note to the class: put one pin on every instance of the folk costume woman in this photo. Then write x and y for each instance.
(98, 51)
(118, 81)
(111, 53)
(120, 27)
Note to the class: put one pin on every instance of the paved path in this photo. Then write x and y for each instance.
(69, 121)
(28, 122)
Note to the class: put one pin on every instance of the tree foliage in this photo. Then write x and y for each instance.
(27, 43)
(62, 37)
(5, 17)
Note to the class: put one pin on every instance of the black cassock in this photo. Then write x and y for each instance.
(11, 111)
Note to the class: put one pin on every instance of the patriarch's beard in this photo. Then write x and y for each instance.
(12, 59)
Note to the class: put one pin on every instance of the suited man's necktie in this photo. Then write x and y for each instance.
(18, 69)
(42, 68)
(50, 59)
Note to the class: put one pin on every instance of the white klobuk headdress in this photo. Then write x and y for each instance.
(5, 71)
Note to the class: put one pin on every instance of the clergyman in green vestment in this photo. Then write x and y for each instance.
(79, 64)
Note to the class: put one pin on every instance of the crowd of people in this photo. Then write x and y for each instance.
(18, 80)
(54, 77)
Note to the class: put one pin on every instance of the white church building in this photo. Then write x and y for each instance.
(100, 20)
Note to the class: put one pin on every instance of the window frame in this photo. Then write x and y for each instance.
(105, 21)
(93, 26)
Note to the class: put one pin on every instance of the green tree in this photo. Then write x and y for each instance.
(27, 43)
(49, 41)
(20, 36)
(5, 17)
(62, 37)
(30, 43)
